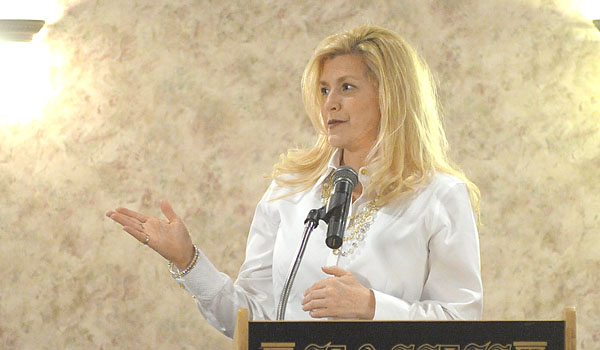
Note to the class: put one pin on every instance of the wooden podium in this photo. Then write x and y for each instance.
(405, 335)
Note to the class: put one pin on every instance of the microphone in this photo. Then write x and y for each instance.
(344, 181)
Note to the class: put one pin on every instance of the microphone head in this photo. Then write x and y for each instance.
(344, 181)
(345, 173)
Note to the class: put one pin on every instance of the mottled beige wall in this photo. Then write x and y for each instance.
(183, 99)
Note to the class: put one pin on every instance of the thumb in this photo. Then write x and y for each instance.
(335, 270)
(167, 209)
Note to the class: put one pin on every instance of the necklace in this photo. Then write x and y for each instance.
(358, 224)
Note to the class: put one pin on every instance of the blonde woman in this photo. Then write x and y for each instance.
(411, 247)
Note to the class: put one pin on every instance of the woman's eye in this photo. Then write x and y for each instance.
(324, 91)
(347, 86)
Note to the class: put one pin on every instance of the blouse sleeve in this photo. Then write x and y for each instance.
(453, 289)
(218, 298)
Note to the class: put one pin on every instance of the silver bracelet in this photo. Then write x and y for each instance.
(175, 273)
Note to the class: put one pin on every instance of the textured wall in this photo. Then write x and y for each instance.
(182, 99)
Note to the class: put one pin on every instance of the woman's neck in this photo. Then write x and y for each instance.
(355, 160)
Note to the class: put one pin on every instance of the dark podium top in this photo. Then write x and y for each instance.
(405, 335)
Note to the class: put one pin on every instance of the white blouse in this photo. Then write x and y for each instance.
(420, 257)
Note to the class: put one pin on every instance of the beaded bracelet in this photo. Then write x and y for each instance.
(175, 273)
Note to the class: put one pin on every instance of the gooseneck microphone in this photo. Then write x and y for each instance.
(344, 181)
(334, 214)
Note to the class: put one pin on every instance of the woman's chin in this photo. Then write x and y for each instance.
(335, 141)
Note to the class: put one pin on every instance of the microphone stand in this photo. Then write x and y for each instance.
(311, 222)
(334, 214)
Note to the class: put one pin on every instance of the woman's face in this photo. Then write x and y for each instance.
(350, 104)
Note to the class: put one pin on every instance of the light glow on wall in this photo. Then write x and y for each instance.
(25, 86)
(590, 9)
(47, 10)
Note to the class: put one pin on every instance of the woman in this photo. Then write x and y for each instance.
(410, 250)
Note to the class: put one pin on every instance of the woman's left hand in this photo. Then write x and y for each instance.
(340, 296)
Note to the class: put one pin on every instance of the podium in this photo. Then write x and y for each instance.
(405, 335)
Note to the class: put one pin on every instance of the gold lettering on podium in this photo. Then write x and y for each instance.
(429, 347)
(277, 346)
(327, 346)
(473, 346)
(404, 347)
(367, 347)
(530, 345)
(517, 345)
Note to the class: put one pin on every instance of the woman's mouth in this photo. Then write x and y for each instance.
(333, 122)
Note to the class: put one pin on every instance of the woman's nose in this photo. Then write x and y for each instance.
(332, 103)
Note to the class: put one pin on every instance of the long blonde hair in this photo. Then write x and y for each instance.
(411, 144)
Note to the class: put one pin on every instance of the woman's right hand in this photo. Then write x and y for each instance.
(169, 238)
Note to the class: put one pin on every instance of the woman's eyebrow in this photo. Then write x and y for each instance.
(321, 82)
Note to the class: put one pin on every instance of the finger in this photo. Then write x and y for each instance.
(322, 312)
(308, 290)
(167, 209)
(140, 236)
(318, 294)
(317, 285)
(134, 214)
(315, 304)
(126, 220)
(335, 271)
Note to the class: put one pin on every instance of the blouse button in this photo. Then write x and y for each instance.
(363, 171)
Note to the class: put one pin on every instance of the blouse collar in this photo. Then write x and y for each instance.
(334, 163)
